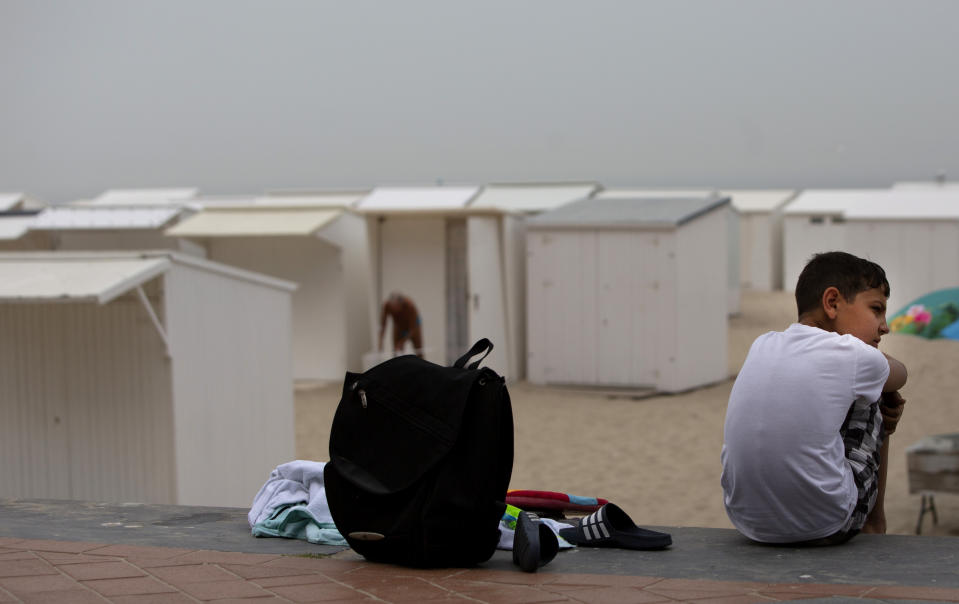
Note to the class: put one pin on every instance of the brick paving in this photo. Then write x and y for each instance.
(68, 572)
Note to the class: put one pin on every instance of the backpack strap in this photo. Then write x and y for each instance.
(483, 345)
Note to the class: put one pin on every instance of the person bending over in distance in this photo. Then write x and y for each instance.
(805, 448)
(406, 323)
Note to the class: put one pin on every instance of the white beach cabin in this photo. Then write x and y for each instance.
(313, 240)
(516, 202)
(913, 233)
(760, 236)
(17, 213)
(629, 293)
(451, 260)
(732, 228)
(141, 377)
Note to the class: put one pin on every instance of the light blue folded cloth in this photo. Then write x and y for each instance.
(297, 522)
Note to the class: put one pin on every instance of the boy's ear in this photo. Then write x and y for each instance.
(830, 302)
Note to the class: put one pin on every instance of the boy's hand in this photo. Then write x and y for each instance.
(891, 405)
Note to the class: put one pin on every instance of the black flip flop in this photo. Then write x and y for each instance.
(534, 543)
(609, 526)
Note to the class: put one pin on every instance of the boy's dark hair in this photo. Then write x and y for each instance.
(847, 273)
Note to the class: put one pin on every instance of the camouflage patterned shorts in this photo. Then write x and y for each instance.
(862, 436)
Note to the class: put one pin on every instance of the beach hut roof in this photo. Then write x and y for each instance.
(97, 276)
(908, 204)
(635, 193)
(417, 199)
(830, 201)
(128, 197)
(654, 212)
(19, 201)
(756, 200)
(879, 204)
(254, 221)
(925, 184)
(531, 197)
(69, 218)
(323, 199)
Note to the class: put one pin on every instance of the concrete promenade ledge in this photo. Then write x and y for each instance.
(78, 552)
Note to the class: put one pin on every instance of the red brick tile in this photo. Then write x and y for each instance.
(26, 567)
(237, 588)
(140, 551)
(17, 555)
(695, 594)
(36, 583)
(215, 557)
(10, 541)
(263, 571)
(572, 580)
(398, 588)
(48, 545)
(101, 570)
(165, 598)
(6, 596)
(905, 592)
(818, 589)
(148, 563)
(611, 595)
(778, 595)
(326, 592)
(743, 599)
(319, 564)
(269, 582)
(193, 573)
(128, 587)
(68, 596)
(730, 587)
(514, 593)
(62, 558)
(506, 578)
(251, 600)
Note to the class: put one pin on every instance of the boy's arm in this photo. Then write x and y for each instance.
(897, 375)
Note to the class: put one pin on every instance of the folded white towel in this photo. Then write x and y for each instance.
(296, 482)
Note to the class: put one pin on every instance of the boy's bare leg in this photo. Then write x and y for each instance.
(876, 521)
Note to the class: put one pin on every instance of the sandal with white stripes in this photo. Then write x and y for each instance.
(609, 526)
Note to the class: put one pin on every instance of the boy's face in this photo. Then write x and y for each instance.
(864, 316)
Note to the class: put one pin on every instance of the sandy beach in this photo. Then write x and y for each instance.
(658, 457)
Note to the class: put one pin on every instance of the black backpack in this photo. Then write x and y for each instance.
(420, 460)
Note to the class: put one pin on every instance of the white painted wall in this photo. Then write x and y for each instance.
(514, 279)
(487, 306)
(230, 341)
(411, 260)
(633, 307)
(350, 234)
(562, 316)
(319, 303)
(757, 251)
(805, 235)
(701, 326)
(918, 256)
(85, 407)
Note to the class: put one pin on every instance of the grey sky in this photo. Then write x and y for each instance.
(240, 96)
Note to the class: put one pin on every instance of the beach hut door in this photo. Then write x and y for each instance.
(486, 308)
(457, 290)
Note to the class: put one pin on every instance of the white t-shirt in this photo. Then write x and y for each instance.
(785, 475)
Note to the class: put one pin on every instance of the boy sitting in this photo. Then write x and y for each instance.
(805, 449)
